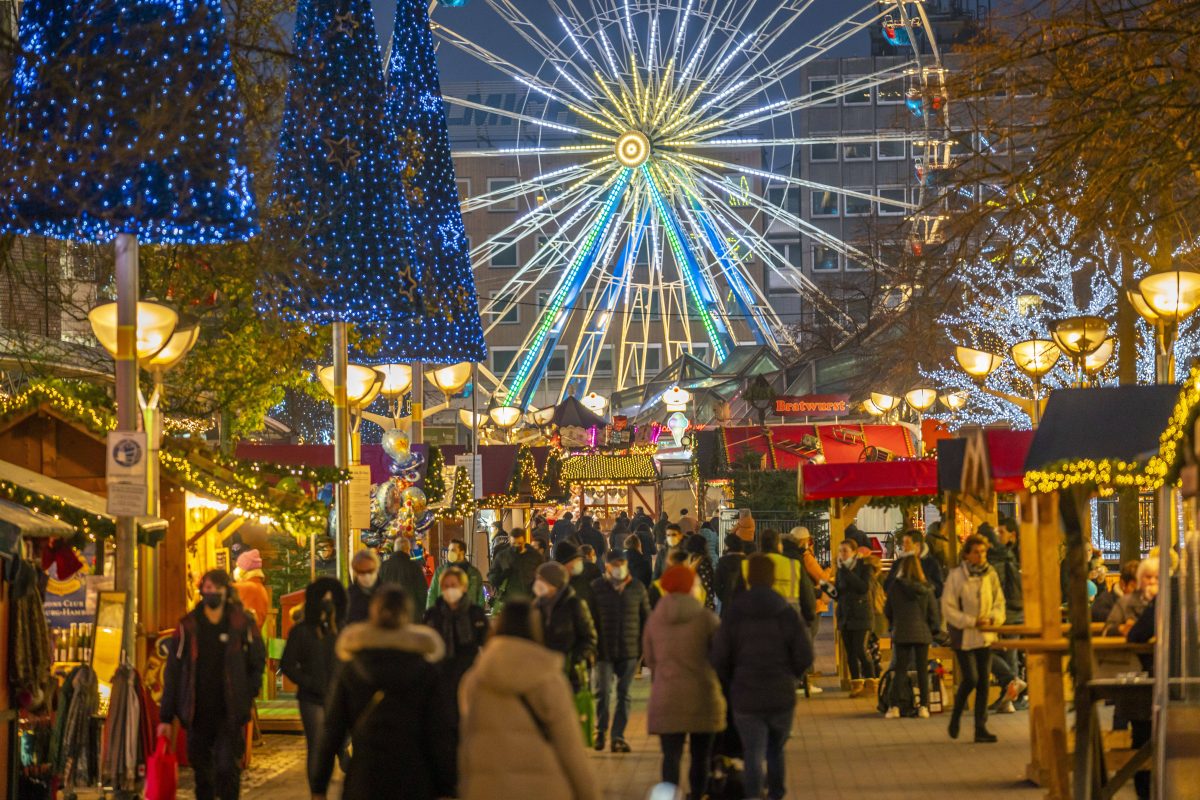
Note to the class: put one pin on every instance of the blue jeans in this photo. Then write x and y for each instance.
(763, 737)
(605, 671)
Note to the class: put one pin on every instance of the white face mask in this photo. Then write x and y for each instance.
(541, 588)
(673, 541)
(366, 579)
(847, 562)
(452, 594)
(619, 574)
(577, 566)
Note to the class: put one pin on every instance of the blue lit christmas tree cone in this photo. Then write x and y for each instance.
(124, 118)
(449, 329)
(340, 206)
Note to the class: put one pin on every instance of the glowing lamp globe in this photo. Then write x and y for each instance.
(872, 409)
(451, 380)
(920, 399)
(505, 417)
(1079, 336)
(884, 402)
(1098, 359)
(955, 400)
(594, 403)
(397, 378)
(363, 384)
(155, 324)
(976, 363)
(1141, 306)
(1173, 295)
(178, 345)
(542, 416)
(632, 149)
(1035, 357)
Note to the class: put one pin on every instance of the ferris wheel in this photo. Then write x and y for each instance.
(657, 139)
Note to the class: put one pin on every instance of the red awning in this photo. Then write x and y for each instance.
(1007, 451)
(785, 446)
(906, 478)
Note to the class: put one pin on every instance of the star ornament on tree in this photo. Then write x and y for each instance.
(345, 23)
(342, 152)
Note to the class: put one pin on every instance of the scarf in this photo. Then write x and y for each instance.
(976, 571)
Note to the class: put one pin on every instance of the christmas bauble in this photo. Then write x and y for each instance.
(395, 444)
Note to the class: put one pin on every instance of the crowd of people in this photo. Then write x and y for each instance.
(397, 676)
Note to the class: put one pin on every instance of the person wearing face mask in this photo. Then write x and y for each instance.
(456, 557)
(401, 569)
(325, 561)
(513, 570)
(566, 620)
(364, 577)
(308, 658)
(855, 615)
(672, 542)
(214, 668)
(622, 608)
(463, 625)
(580, 572)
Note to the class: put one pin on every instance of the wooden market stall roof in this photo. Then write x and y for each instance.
(915, 477)
(611, 470)
(786, 447)
(1006, 453)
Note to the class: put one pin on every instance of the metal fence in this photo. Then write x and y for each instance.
(817, 524)
(1106, 536)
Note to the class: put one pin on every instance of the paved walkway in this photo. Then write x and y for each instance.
(840, 749)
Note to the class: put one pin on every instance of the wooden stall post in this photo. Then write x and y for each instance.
(1039, 537)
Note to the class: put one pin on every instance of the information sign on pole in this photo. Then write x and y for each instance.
(360, 497)
(125, 473)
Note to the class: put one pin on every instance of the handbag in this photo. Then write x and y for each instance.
(585, 705)
(162, 772)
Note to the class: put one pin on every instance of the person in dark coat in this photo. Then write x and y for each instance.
(456, 558)
(308, 657)
(640, 518)
(854, 614)
(697, 549)
(325, 560)
(579, 576)
(540, 528)
(912, 543)
(566, 620)
(672, 542)
(590, 534)
(364, 580)
(620, 529)
(660, 528)
(622, 608)
(513, 570)
(463, 626)
(912, 612)
(214, 669)
(639, 566)
(389, 695)
(859, 538)
(563, 530)
(760, 652)
(500, 541)
(402, 570)
(646, 536)
(1003, 558)
(1107, 599)
(727, 576)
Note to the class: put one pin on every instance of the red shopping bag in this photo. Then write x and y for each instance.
(161, 772)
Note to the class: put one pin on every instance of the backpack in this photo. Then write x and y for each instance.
(908, 699)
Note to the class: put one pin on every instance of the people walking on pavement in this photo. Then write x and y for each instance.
(621, 528)
(214, 669)
(567, 625)
(646, 537)
(517, 692)
(309, 660)
(401, 569)
(500, 541)
(686, 522)
(463, 625)
(674, 558)
(660, 529)
(640, 566)
(622, 607)
(456, 558)
(697, 549)
(855, 616)
(710, 538)
(364, 577)
(589, 534)
(686, 704)
(250, 584)
(389, 697)
(1003, 557)
(727, 576)
(564, 529)
(513, 570)
(760, 651)
(912, 612)
(745, 529)
(581, 572)
(971, 599)
(791, 580)
(640, 518)
(540, 529)
(672, 542)
(912, 544)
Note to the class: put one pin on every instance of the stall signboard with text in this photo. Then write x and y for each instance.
(813, 405)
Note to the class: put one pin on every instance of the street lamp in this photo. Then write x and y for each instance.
(1035, 358)
(1164, 299)
(397, 378)
(363, 385)
(1078, 337)
(884, 402)
(977, 363)
(451, 379)
(872, 409)
(1098, 359)
(505, 417)
(955, 400)
(155, 324)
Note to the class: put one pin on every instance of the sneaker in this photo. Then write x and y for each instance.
(1006, 707)
(620, 746)
(1021, 704)
(814, 689)
(1014, 689)
(923, 712)
(892, 713)
(984, 736)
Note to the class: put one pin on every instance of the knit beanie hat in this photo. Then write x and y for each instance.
(695, 544)
(565, 552)
(760, 570)
(251, 559)
(677, 580)
(733, 543)
(553, 573)
(800, 533)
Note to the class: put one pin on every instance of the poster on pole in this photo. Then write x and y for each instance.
(125, 467)
(360, 497)
(474, 467)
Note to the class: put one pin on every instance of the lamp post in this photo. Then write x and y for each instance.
(872, 409)
(920, 400)
(1098, 359)
(1165, 299)
(1035, 358)
(885, 402)
(351, 386)
(397, 378)
(130, 331)
(1079, 337)
(505, 418)
(979, 364)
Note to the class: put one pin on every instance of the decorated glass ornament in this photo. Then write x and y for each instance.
(396, 444)
(415, 499)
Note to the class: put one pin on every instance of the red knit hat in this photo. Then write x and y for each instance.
(677, 580)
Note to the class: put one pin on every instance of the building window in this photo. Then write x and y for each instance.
(858, 263)
(890, 93)
(464, 188)
(503, 359)
(825, 151)
(510, 317)
(824, 203)
(505, 254)
(604, 364)
(857, 96)
(700, 350)
(500, 184)
(652, 359)
(858, 206)
(892, 149)
(822, 87)
(558, 362)
(856, 151)
(789, 258)
(898, 195)
(825, 258)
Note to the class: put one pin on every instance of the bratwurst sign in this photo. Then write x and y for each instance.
(813, 405)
